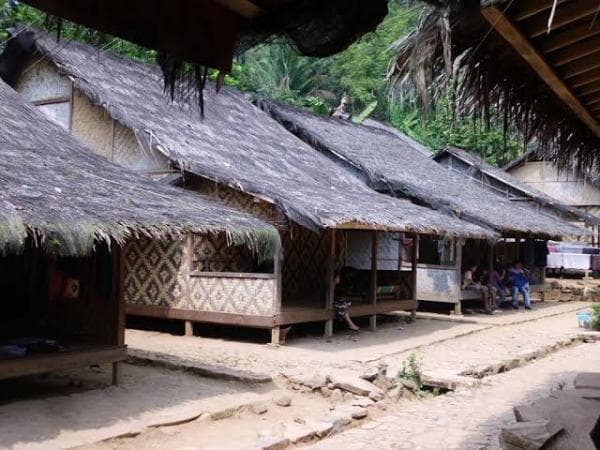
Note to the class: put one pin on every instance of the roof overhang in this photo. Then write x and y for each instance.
(560, 40)
(209, 32)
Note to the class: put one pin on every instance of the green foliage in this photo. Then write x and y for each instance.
(411, 371)
(443, 129)
(596, 316)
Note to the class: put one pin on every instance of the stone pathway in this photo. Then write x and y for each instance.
(392, 342)
(469, 418)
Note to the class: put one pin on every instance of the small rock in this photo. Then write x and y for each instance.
(409, 384)
(223, 414)
(259, 408)
(326, 392)
(370, 375)
(283, 401)
(382, 405)
(376, 396)
(396, 394)
(337, 396)
(362, 401)
(526, 413)
(297, 433)
(348, 396)
(587, 380)
(274, 443)
(351, 383)
(330, 386)
(407, 394)
(319, 427)
(529, 435)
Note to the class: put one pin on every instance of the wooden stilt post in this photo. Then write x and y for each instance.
(276, 335)
(459, 252)
(415, 260)
(374, 245)
(330, 284)
(278, 261)
(189, 328)
(119, 301)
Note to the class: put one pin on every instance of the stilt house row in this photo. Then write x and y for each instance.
(69, 222)
(400, 168)
(242, 157)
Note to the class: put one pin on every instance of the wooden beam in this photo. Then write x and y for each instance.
(580, 67)
(520, 43)
(571, 35)
(373, 284)
(590, 89)
(585, 79)
(330, 284)
(576, 51)
(48, 362)
(160, 312)
(593, 101)
(459, 252)
(524, 9)
(564, 15)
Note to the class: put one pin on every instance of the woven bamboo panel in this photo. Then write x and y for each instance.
(155, 273)
(233, 295)
(213, 254)
(239, 200)
(304, 263)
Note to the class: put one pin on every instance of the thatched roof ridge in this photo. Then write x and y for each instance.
(236, 144)
(65, 197)
(400, 167)
(535, 194)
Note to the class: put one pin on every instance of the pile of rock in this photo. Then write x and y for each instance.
(574, 291)
(373, 388)
(564, 420)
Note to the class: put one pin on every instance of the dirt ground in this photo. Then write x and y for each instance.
(160, 408)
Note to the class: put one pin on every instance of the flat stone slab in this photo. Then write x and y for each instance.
(312, 381)
(142, 357)
(297, 433)
(353, 383)
(448, 380)
(587, 380)
(321, 428)
(569, 409)
(527, 413)
(529, 435)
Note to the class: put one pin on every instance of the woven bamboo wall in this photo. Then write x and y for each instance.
(157, 273)
(304, 267)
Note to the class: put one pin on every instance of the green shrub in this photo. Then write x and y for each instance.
(596, 316)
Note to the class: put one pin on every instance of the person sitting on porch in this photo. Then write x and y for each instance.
(341, 305)
(519, 282)
(497, 285)
(470, 283)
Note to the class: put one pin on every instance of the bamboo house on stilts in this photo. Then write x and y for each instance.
(68, 217)
(240, 156)
(396, 165)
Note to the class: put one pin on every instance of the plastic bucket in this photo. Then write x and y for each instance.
(584, 319)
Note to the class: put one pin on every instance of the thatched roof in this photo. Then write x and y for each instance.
(65, 197)
(504, 63)
(508, 180)
(236, 144)
(401, 168)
